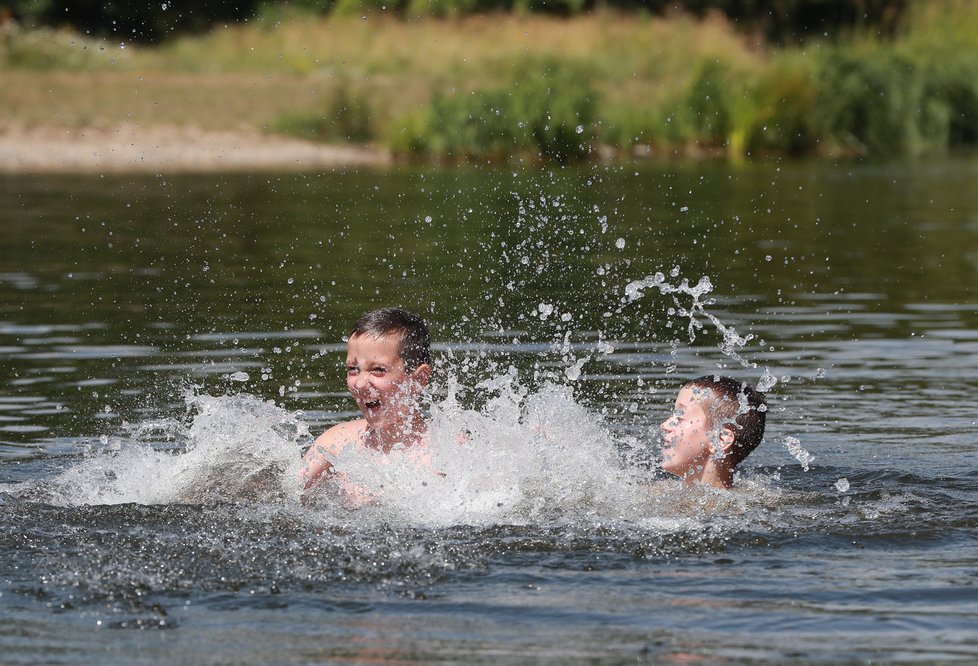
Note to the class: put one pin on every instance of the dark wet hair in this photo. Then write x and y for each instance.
(737, 404)
(414, 345)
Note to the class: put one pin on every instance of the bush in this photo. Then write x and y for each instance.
(547, 110)
(870, 104)
(708, 104)
(347, 118)
(889, 103)
(951, 94)
(783, 117)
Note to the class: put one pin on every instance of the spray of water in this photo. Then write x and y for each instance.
(229, 448)
(498, 451)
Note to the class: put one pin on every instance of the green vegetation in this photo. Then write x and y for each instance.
(347, 118)
(526, 86)
(154, 22)
(546, 111)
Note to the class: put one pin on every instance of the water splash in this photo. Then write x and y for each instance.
(518, 457)
(692, 311)
(231, 448)
(793, 444)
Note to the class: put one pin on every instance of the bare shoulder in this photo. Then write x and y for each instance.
(340, 436)
(318, 463)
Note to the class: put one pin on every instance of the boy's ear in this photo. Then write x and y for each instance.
(726, 440)
(422, 374)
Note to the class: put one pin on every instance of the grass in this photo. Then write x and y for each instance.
(266, 71)
(459, 87)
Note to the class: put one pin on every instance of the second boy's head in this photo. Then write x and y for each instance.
(387, 365)
(717, 422)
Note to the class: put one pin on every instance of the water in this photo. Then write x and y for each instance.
(170, 345)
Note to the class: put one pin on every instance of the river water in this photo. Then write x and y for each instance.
(170, 345)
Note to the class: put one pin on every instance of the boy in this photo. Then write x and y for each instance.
(717, 422)
(388, 364)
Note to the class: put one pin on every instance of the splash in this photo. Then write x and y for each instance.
(793, 444)
(520, 457)
(232, 448)
(512, 455)
(732, 342)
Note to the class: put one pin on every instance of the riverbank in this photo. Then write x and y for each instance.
(131, 148)
(488, 88)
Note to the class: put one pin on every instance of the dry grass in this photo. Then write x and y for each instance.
(248, 76)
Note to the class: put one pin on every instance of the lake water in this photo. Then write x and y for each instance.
(170, 342)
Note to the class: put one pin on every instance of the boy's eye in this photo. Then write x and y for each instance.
(352, 370)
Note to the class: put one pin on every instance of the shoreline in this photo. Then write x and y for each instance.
(171, 149)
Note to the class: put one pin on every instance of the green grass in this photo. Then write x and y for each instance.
(499, 86)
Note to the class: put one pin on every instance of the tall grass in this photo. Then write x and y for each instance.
(916, 94)
(478, 87)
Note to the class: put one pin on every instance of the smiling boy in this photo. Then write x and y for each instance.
(716, 423)
(388, 364)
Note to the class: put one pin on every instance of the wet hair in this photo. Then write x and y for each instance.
(414, 344)
(738, 405)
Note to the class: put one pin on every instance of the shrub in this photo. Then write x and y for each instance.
(707, 109)
(951, 94)
(548, 109)
(783, 114)
(870, 104)
(347, 118)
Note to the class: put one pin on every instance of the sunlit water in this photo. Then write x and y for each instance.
(171, 345)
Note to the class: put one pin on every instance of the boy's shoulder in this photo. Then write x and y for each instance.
(341, 435)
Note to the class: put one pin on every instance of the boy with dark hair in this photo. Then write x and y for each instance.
(388, 364)
(717, 422)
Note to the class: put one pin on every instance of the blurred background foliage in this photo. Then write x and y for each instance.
(549, 80)
(779, 20)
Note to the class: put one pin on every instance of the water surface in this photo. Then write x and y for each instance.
(170, 343)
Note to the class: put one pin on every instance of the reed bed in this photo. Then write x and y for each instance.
(511, 86)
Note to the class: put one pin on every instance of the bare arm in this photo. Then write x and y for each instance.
(317, 464)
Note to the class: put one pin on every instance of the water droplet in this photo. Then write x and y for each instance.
(842, 485)
(239, 376)
(579, 129)
(793, 444)
(620, 243)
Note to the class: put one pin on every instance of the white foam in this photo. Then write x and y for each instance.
(234, 447)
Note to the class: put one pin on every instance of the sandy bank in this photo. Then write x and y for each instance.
(131, 148)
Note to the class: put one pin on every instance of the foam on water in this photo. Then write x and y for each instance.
(230, 448)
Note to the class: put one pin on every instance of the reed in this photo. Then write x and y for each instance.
(459, 87)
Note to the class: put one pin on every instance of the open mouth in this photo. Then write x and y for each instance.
(371, 405)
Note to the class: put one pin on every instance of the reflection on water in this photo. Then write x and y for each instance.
(169, 343)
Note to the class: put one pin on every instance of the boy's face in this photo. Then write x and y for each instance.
(688, 433)
(379, 382)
